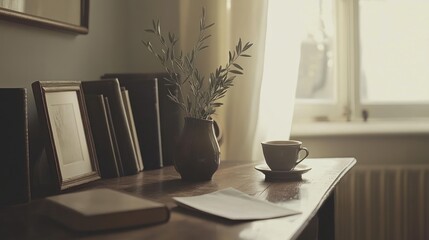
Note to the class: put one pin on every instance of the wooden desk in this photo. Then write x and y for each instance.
(313, 196)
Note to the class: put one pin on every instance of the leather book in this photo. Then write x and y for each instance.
(103, 141)
(114, 139)
(146, 104)
(130, 117)
(103, 209)
(14, 170)
(144, 99)
(111, 90)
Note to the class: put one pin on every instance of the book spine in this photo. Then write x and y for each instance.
(171, 120)
(171, 117)
(102, 136)
(158, 122)
(144, 103)
(114, 139)
(110, 88)
(14, 171)
(131, 123)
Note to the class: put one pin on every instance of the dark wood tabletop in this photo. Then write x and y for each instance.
(306, 195)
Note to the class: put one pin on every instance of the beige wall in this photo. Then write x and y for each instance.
(371, 149)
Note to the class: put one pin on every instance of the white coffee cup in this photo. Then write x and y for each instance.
(283, 155)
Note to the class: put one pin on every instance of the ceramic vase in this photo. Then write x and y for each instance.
(198, 153)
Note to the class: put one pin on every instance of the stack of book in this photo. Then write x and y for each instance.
(134, 124)
(113, 128)
(158, 120)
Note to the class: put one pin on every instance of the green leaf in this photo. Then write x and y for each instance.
(154, 24)
(209, 26)
(245, 55)
(205, 37)
(231, 78)
(237, 66)
(247, 46)
(167, 54)
(158, 27)
(239, 45)
(170, 37)
(149, 46)
(216, 104)
(161, 58)
(235, 72)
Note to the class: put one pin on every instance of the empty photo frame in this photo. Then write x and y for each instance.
(69, 145)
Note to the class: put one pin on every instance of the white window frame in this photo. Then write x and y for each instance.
(339, 108)
(348, 105)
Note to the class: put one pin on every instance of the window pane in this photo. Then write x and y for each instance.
(315, 80)
(394, 51)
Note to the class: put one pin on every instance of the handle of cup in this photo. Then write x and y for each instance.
(306, 154)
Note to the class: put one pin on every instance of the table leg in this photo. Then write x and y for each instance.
(327, 219)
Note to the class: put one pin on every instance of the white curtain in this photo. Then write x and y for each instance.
(260, 105)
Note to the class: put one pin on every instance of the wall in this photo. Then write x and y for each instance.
(139, 16)
(387, 150)
(380, 148)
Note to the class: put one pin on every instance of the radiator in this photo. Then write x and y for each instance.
(379, 202)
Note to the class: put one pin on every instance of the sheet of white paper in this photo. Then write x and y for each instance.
(235, 205)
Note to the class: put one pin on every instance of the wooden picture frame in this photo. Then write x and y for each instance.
(69, 146)
(68, 15)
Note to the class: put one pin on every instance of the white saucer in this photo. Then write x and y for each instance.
(293, 174)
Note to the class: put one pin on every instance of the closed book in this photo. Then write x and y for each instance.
(147, 105)
(103, 141)
(130, 118)
(14, 161)
(114, 139)
(111, 90)
(103, 209)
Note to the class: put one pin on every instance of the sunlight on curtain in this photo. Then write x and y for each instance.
(260, 107)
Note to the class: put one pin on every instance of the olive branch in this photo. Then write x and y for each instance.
(181, 69)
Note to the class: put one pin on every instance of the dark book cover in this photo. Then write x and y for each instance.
(103, 141)
(82, 211)
(170, 116)
(111, 90)
(130, 117)
(114, 139)
(145, 105)
(14, 170)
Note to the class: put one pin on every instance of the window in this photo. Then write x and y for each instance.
(364, 55)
